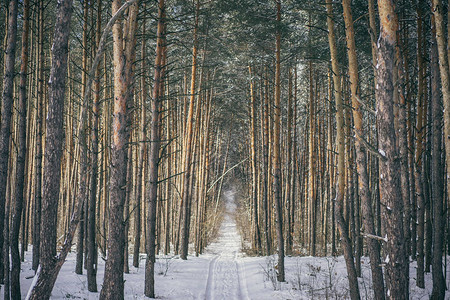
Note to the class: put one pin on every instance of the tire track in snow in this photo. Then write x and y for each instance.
(226, 276)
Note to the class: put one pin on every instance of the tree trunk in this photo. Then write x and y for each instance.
(46, 275)
(113, 285)
(256, 239)
(437, 175)
(276, 154)
(421, 96)
(142, 148)
(82, 168)
(361, 157)
(91, 238)
(390, 185)
(155, 138)
(6, 113)
(39, 132)
(265, 199)
(187, 149)
(438, 185)
(340, 189)
(20, 166)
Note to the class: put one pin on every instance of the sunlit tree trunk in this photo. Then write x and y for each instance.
(186, 216)
(361, 156)
(340, 190)
(113, 285)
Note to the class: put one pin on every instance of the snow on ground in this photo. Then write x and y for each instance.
(224, 272)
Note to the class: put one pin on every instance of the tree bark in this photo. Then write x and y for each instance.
(113, 284)
(91, 238)
(46, 275)
(390, 185)
(256, 239)
(21, 155)
(361, 157)
(277, 186)
(142, 149)
(39, 132)
(188, 147)
(419, 156)
(155, 138)
(340, 189)
(437, 179)
(6, 113)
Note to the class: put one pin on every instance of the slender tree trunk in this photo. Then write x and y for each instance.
(6, 114)
(340, 190)
(91, 239)
(289, 168)
(142, 148)
(438, 279)
(420, 281)
(82, 145)
(390, 185)
(311, 168)
(188, 148)
(436, 176)
(39, 133)
(21, 155)
(153, 160)
(361, 157)
(265, 201)
(276, 145)
(256, 233)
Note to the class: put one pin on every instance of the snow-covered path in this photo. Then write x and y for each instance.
(225, 277)
(224, 272)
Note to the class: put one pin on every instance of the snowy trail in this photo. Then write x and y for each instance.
(225, 276)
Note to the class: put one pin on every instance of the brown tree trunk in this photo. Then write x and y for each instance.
(438, 185)
(20, 166)
(361, 157)
(39, 133)
(142, 149)
(6, 113)
(437, 175)
(82, 145)
(256, 239)
(276, 145)
(390, 185)
(290, 172)
(153, 159)
(91, 238)
(188, 148)
(420, 281)
(53, 152)
(113, 281)
(340, 189)
(265, 199)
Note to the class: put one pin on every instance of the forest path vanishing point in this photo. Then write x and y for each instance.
(226, 275)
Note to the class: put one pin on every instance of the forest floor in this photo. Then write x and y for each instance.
(225, 272)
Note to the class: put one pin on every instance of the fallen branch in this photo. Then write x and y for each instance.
(375, 237)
